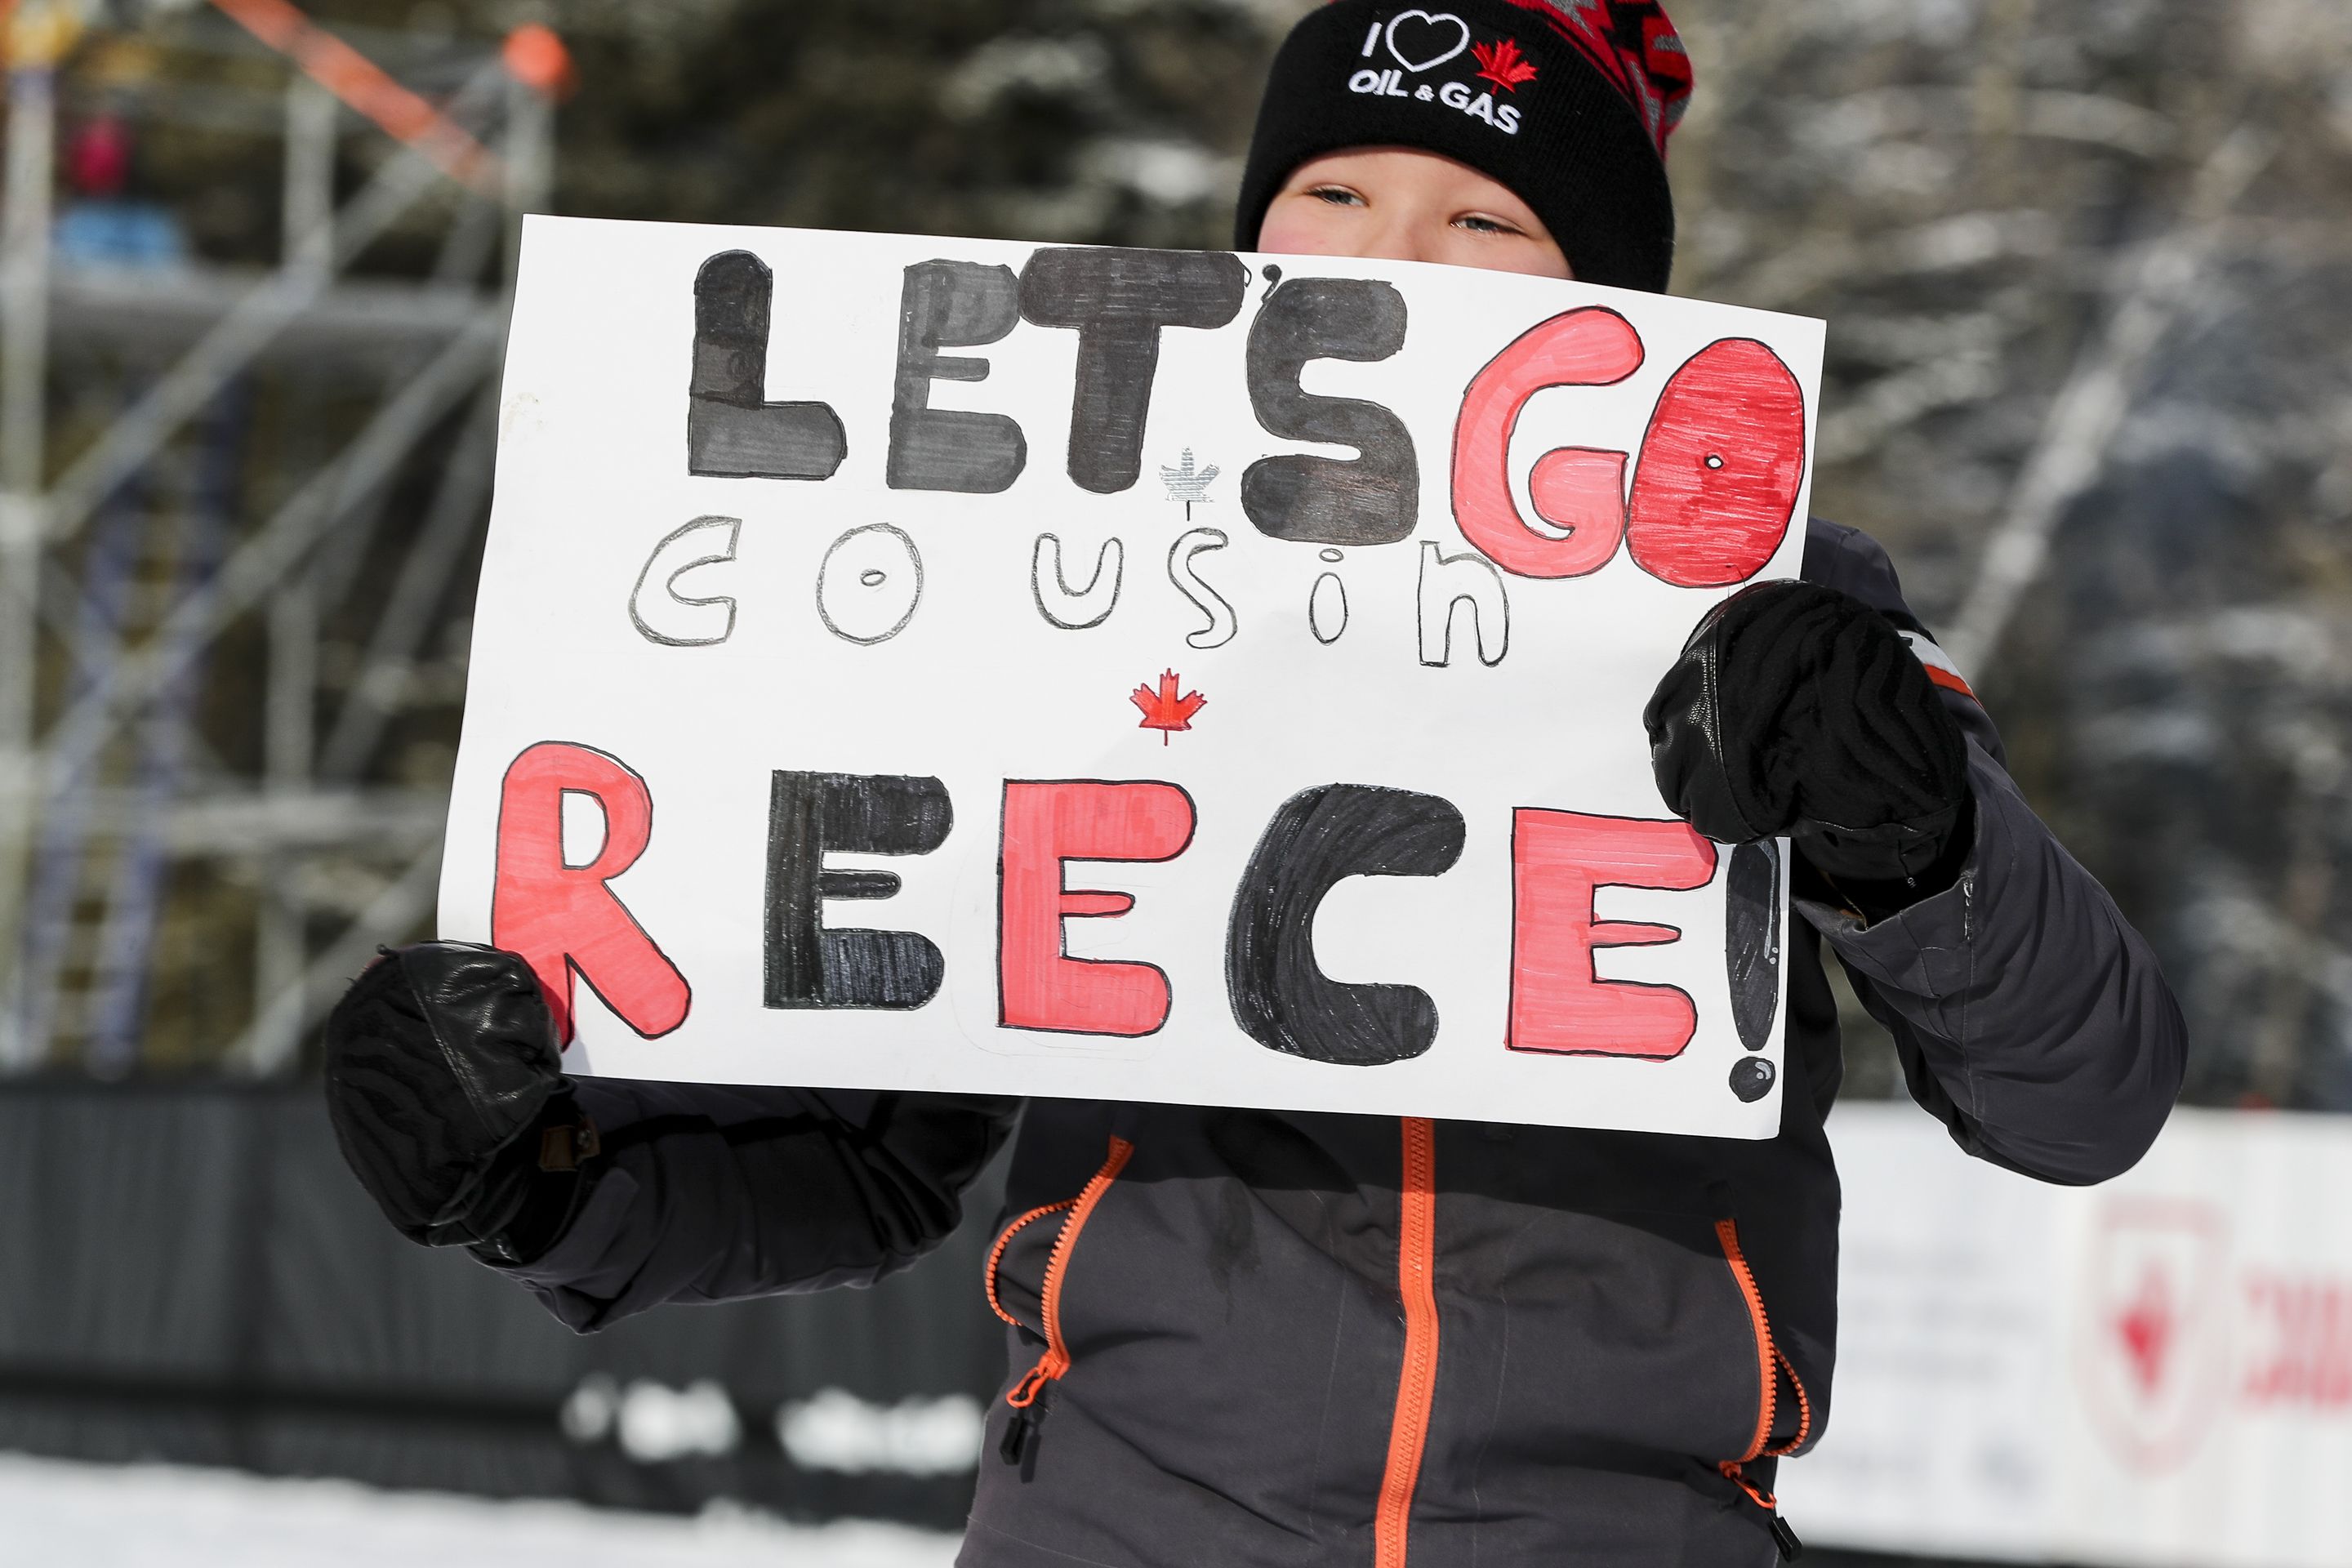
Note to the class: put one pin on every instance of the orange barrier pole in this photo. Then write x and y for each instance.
(363, 85)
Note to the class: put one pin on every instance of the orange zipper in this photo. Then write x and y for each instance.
(1771, 1360)
(1767, 1378)
(996, 1254)
(1804, 1410)
(1028, 1414)
(1770, 1363)
(1417, 1283)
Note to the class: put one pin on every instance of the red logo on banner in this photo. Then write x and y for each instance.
(2154, 1338)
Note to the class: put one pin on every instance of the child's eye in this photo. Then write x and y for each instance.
(1479, 222)
(1337, 195)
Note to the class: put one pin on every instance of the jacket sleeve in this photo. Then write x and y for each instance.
(2029, 1017)
(708, 1193)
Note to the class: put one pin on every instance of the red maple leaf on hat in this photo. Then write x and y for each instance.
(1500, 64)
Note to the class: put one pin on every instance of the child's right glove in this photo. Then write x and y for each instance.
(1797, 710)
(445, 1085)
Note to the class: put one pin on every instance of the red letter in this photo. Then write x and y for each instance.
(1721, 465)
(564, 919)
(1574, 488)
(1046, 824)
(1558, 1002)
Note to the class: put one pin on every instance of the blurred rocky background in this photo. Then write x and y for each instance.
(2090, 379)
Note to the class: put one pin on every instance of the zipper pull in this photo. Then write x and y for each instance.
(1784, 1538)
(1029, 1405)
(1026, 1420)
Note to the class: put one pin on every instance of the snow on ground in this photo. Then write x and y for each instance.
(57, 1514)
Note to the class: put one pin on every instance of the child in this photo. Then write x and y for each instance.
(1246, 1337)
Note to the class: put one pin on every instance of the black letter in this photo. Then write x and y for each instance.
(1118, 300)
(1320, 837)
(1373, 499)
(961, 304)
(811, 815)
(731, 433)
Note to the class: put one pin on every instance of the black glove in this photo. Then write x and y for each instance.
(445, 1085)
(1797, 710)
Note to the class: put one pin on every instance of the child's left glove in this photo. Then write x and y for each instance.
(1796, 710)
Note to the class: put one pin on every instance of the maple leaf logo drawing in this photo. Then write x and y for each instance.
(2145, 1328)
(1186, 483)
(1164, 710)
(1502, 65)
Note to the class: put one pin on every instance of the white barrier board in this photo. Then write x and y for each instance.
(2156, 1371)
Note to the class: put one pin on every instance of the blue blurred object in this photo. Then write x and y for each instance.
(114, 233)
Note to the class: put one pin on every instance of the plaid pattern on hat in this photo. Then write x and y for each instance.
(1633, 45)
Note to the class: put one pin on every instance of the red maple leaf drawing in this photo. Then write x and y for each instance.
(1500, 64)
(1164, 710)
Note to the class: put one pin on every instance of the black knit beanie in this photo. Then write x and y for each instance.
(1567, 102)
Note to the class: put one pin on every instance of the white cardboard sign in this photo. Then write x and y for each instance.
(928, 663)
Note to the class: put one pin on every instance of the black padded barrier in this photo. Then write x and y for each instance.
(189, 1274)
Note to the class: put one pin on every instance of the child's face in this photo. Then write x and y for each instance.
(1402, 204)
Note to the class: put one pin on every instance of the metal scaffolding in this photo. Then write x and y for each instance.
(168, 573)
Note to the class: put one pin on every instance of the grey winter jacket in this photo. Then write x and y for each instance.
(1250, 1338)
